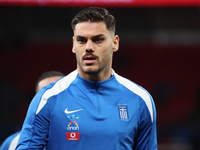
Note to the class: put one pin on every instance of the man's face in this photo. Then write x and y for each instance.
(94, 45)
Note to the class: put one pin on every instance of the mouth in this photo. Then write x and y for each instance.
(89, 59)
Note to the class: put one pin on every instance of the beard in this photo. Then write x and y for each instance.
(92, 69)
(89, 69)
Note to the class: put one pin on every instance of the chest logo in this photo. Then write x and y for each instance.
(73, 111)
(73, 136)
(123, 112)
(73, 125)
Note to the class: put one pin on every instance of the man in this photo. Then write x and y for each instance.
(46, 78)
(92, 108)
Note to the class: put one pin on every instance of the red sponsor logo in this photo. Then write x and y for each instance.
(73, 135)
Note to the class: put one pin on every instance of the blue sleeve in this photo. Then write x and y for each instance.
(147, 135)
(5, 145)
(34, 134)
(153, 133)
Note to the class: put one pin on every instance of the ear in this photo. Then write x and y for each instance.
(115, 43)
(73, 49)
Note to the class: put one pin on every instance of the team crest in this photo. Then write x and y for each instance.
(123, 112)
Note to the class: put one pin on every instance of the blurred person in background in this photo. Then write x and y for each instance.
(92, 108)
(46, 78)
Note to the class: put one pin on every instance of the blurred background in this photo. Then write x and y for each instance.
(159, 50)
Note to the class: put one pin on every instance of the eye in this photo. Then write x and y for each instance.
(98, 40)
(81, 40)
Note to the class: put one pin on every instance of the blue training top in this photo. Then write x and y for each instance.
(74, 113)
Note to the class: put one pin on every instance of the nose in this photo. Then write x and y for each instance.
(89, 46)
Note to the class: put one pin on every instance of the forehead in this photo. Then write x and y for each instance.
(90, 28)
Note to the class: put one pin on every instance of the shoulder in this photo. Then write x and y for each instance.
(135, 88)
(54, 89)
(138, 90)
(60, 85)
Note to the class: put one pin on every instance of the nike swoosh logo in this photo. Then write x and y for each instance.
(69, 112)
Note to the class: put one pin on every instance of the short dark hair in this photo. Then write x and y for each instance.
(47, 75)
(95, 14)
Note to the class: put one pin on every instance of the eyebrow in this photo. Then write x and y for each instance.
(99, 35)
(96, 36)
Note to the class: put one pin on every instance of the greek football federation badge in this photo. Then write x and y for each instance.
(123, 112)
